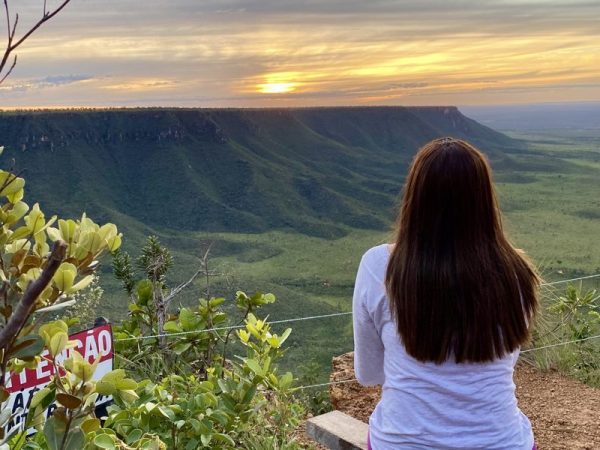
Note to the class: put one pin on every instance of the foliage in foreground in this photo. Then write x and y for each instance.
(197, 397)
(35, 282)
(571, 316)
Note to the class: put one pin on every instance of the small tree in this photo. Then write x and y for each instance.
(154, 262)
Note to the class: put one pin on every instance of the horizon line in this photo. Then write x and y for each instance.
(122, 107)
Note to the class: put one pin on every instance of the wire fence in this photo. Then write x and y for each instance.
(347, 313)
(300, 319)
(351, 380)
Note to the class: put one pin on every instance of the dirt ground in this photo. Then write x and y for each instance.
(565, 413)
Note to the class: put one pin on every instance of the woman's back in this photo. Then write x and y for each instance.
(439, 317)
(427, 405)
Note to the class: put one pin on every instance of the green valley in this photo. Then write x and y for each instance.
(289, 199)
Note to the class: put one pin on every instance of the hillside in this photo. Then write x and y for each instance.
(313, 171)
(291, 198)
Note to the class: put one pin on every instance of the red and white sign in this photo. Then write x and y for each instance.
(91, 344)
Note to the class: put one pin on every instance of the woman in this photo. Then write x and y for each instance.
(440, 315)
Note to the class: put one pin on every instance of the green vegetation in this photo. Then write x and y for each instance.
(571, 314)
(196, 390)
(204, 399)
(312, 171)
(288, 200)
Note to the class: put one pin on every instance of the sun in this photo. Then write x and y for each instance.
(277, 88)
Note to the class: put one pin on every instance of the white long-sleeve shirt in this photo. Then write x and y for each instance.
(428, 405)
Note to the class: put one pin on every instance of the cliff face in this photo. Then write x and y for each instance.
(313, 170)
(564, 412)
(389, 128)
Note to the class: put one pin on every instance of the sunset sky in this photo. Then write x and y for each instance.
(298, 53)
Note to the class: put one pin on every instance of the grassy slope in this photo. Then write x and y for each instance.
(291, 199)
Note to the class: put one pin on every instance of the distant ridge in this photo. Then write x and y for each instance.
(313, 170)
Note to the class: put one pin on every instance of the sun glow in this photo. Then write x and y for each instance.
(277, 88)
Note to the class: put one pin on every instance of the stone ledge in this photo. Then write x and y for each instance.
(338, 431)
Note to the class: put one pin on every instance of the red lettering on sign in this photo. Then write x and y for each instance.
(91, 344)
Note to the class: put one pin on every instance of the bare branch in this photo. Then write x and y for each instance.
(11, 31)
(14, 28)
(23, 310)
(9, 70)
(7, 21)
(9, 38)
(44, 19)
(181, 287)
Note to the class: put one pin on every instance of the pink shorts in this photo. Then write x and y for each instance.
(369, 443)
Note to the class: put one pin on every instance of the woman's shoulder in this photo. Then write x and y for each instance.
(377, 253)
(376, 258)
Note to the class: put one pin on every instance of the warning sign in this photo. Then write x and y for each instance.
(91, 344)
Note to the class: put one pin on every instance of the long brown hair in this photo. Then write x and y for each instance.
(457, 288)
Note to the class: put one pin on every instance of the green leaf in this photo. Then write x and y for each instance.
(192, 444)
(27, 346)
(134, 435)
(254, 366)
(189, 321)
(284, 336)
(75, 439)
(11, 183)
(19, 233)
(104, 441)
(53, 432)
(17, 212)
(172, 327)
(286, 380)
(220, 417)
(223, 385)
(65, 276)
(53, 234)
(128, 395)
(223, 438)
(214, 302)
(205, 438)
(249, 394)
(90, 425)
(167, 412)
(126, 384)
(105, 388)
(82, 284)
(58, 343)
(182, 347)
(144, 292)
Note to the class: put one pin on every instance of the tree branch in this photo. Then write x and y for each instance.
(9, 70)
(7, 21)
(23, 310)
(181, 287)
(9, 37)
(10, 46)
(48, 16)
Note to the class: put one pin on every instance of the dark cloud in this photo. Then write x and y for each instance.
(58, 80)
(46, 82)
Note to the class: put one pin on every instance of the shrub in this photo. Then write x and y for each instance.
(36, 281)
